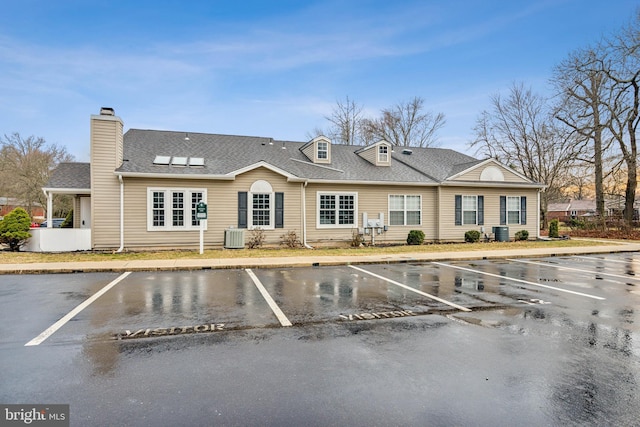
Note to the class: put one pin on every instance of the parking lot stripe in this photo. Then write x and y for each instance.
(561, 267)
(60, 323)
(433, 297)
(274, 307)
(619, 261)
(518, 280)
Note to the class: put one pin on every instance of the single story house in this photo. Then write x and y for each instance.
(141, 190)
(7, 204)
(566, 210)
(576, 209)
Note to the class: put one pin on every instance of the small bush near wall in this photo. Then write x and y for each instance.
(522, 235)
(256, 239)
(415, 237)
(472, 236)
(553, 228)
(290, 239)
(356, 239)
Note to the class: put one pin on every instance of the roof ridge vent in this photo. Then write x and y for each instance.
(407, 151)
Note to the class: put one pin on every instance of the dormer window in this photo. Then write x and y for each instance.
(318, 150)
(377, 154)
(323, 150)
(383, 154)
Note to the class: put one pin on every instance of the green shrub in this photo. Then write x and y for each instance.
(472, 236)
(553, 228)
(68, 221)
(14, 229)
(578, 224)
(522, 235)
(415, 237)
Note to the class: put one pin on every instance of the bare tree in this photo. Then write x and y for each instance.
(520, 131)
(405, 124)
(346, 122)
(25, 166)
(622, 66)
(581, 85)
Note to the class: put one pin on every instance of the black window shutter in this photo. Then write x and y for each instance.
(279, 210)
(458, 209)
(480, 210)
(242, 209)
(523, 210)
(503, 210)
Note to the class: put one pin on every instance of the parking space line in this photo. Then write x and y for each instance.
(433, 297)
(607, 259)
(561, 267)
(518, 280)
(73, 313)
(272, 304)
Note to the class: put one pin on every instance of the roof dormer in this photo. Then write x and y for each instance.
(318, 150)
(378, 154)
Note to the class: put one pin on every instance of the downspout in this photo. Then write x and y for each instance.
(538, 216)
(121, 248)
(304, 216)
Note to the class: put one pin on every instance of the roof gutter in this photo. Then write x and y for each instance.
(121, 248)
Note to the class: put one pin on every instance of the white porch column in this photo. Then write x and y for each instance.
(49, 209)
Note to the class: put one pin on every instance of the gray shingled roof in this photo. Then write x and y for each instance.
(225, 154)
(70, 175)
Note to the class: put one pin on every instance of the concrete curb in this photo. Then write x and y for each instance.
(305, 261)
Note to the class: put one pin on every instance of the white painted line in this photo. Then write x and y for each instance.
(73, 313)
(274, 307)
(607, 259)
(518, 280)
(433, 297)
(560, 267)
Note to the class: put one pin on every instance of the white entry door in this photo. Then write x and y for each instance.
(85, 212)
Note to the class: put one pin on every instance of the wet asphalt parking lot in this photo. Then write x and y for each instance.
(541, 341)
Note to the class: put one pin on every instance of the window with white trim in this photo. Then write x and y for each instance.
(405, 209)
(469, 210)
(323, 150)
(383, 153)
(173, 209)
(261, 205)
(261, 210)
(337, 210)
(513, 209)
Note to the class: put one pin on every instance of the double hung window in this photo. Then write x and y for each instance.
(405, 209)
(173, 208)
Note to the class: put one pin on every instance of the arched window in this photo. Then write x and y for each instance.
(261, 205)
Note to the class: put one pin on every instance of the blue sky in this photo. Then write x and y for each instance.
(276, 68)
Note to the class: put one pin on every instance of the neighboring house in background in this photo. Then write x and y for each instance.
(575, 209)
(141, 189)
(564, 211)
(7, 204)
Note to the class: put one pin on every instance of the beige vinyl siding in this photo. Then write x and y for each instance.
(106, 156)
(222, 207)
(474, 175)
(371, 154)
(309, 151)
(372, 199)
(76, 212)
(451, 232)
